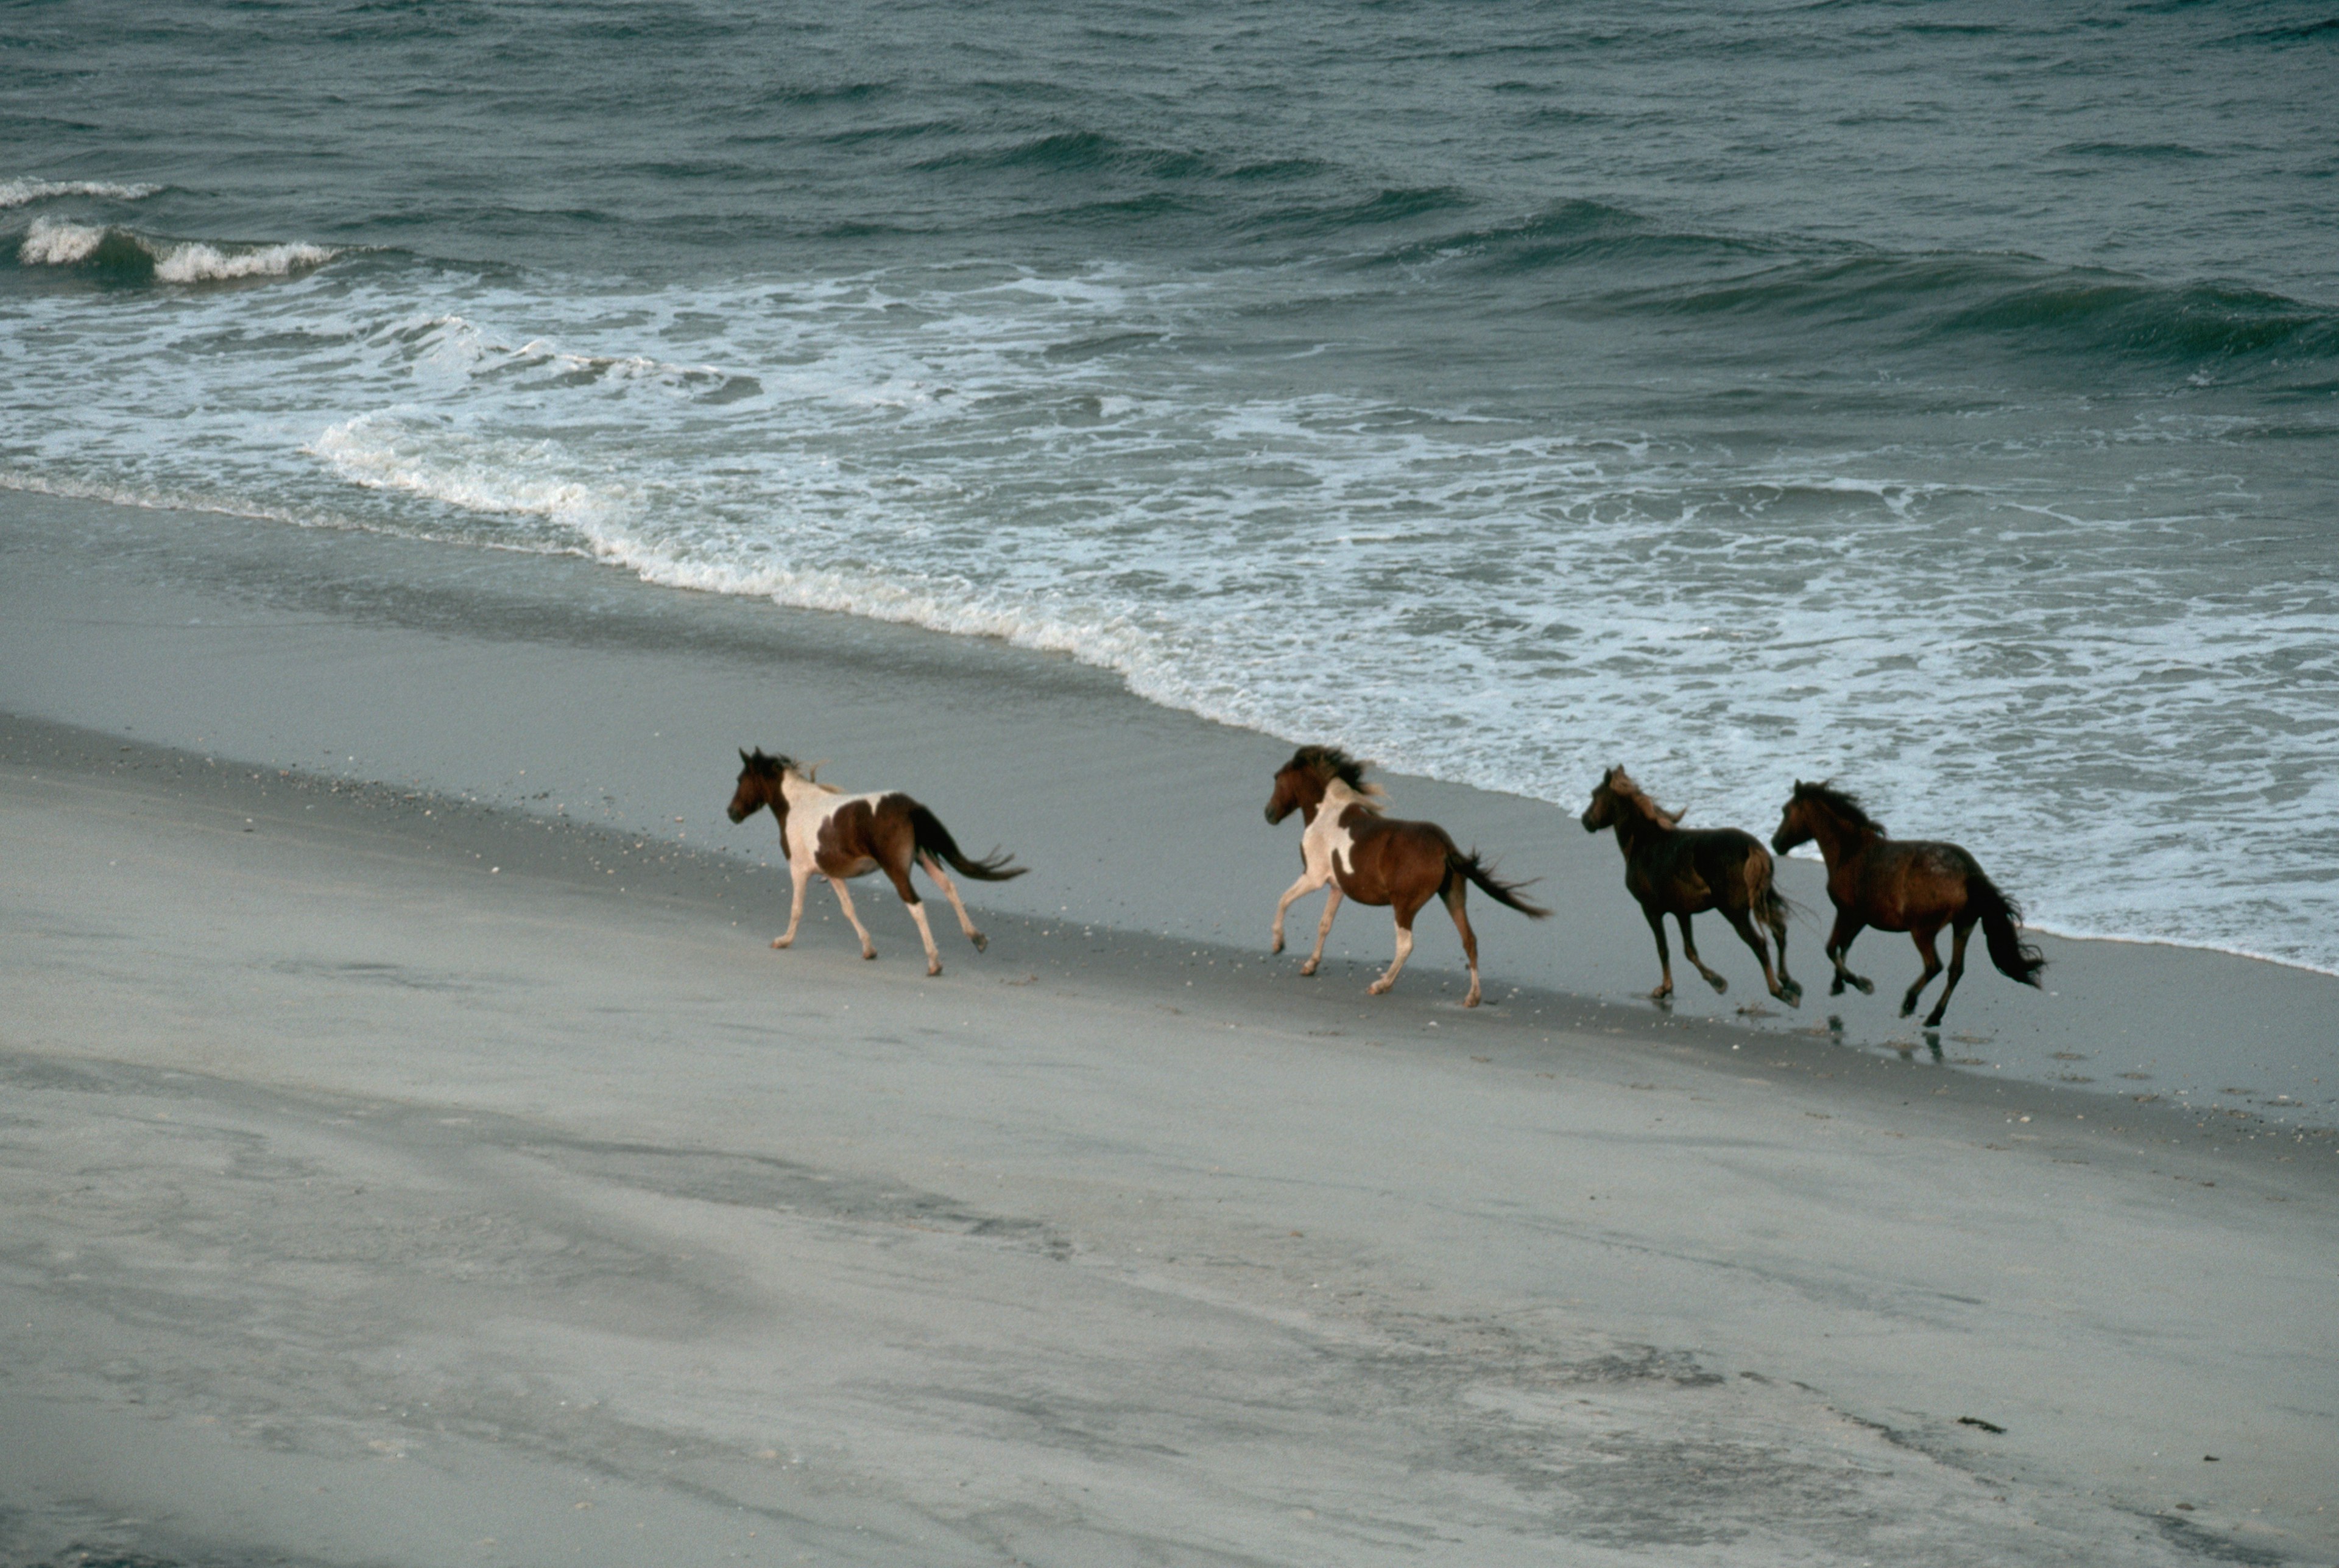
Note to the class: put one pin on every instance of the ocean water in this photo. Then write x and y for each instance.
(1939, 398)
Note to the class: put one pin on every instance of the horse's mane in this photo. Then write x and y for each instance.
(1620, 784)
(1329, 763)
(1843, 802)
(771, 767)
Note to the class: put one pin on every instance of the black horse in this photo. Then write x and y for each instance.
(1684, 871)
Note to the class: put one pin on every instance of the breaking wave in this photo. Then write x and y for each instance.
(113, 250)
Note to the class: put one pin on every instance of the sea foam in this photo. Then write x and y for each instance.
(381, 452)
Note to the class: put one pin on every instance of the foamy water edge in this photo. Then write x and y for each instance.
(829, 594)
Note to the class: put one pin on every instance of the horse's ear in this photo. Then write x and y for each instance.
(743, 756)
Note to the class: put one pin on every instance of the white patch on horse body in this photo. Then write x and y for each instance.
(811, 808)
(1327, 846)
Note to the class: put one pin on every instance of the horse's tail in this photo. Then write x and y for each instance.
(933, 838)
(2015, 959)
(1503, 892)
(1764, 898)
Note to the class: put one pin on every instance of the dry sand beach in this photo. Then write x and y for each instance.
(415, 1153)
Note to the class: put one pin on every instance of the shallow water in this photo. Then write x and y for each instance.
(1938, 402)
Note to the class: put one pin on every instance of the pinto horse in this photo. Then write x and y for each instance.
(1916, 887)
(1374, 860)
(839, 835)
(1682, 872)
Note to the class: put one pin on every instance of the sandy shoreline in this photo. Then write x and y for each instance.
(410, 1160)
(563, 688)
(390, 1187)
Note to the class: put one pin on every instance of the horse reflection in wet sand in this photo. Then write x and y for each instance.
(839, 835)
(1682, 872)
(1375, 859)
(1917, 887)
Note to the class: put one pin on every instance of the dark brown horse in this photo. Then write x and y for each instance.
(839, 835)
(1370, 858)
(1917, 887)
(1682, 872)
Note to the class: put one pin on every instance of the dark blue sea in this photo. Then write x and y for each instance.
(1939, 397)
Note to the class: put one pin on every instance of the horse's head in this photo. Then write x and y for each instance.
(1619, 803)
(1295, 790)
(1602, 811)
(1795, 821)
(1820, 810)
(1300, 784)
(759, 786)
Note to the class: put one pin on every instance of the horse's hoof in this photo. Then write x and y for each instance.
(1275, 949)
(1837, 987)
(1867, 987)
(1661, 993)
(1377, 987)
(1721, 983)
(982, 942)
(1306, 970)
(781, 940)
(1906, 1008)
(933, 969)
(1792, 995)
(1933, 1020)
(1471, 999)
(867, 953)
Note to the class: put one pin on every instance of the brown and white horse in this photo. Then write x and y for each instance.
(1375, 860)
(1910, 885)
(839, 835)
(1682, 872)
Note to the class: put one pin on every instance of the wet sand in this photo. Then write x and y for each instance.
(404, 1169)
(571, 691)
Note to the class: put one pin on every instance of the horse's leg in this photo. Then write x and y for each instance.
(1753, 938)
(926, 935)
(1458, 898)
(950, 891)
(868, 948)
(802, 877)
(1848, 925)
(1656, 917)
(1323, 929)
(900, 877)
(1790, 991)
(1309, 883)
(1721, 982)
(1404, 914)
(1922, 936)
(1958, 934)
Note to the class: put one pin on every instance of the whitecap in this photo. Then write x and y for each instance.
(52, 243)
(61, 242)
(195, 262)
(22, 190)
